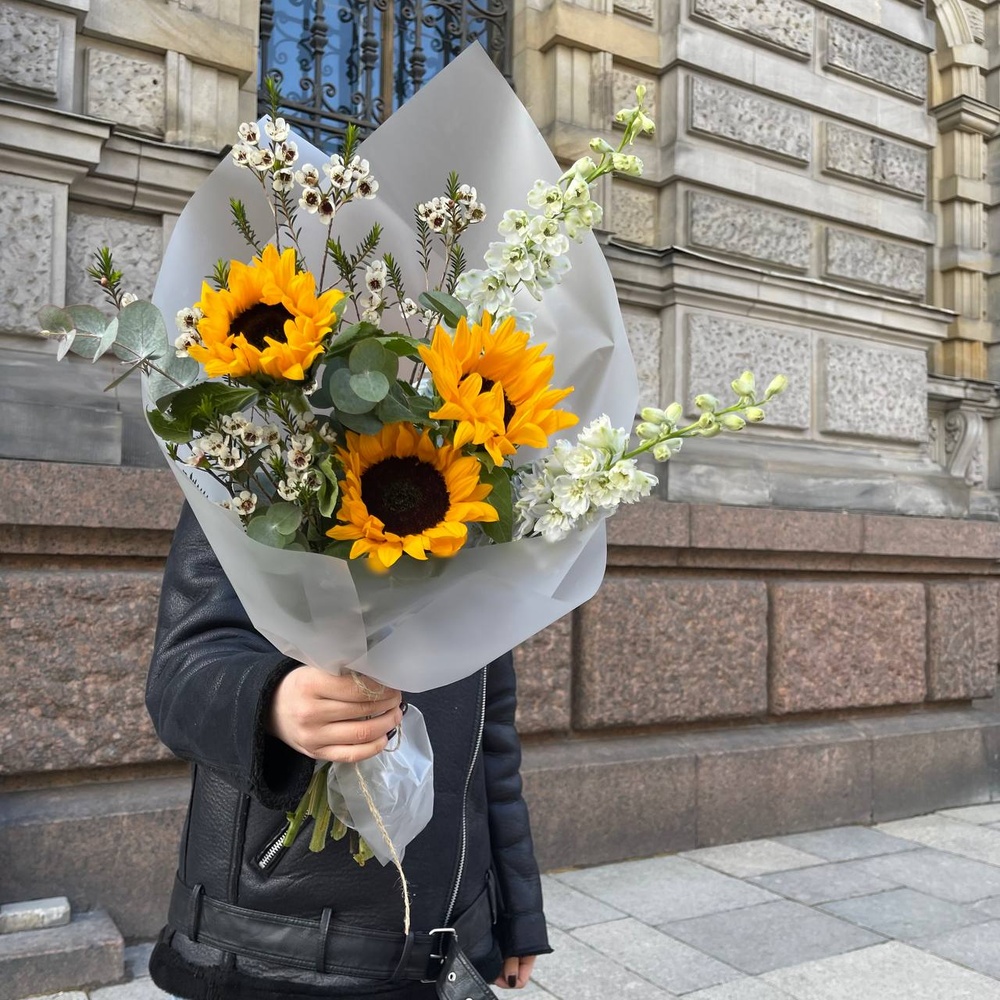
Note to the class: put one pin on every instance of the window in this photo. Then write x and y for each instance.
(343, 61)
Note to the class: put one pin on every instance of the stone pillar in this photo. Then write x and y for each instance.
(965, 121)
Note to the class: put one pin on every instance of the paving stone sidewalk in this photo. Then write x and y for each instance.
(908, 910)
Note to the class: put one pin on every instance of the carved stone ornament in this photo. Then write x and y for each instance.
(29, 50)
(749, 119)
(963, 446)
(788, 24)
(875, 57)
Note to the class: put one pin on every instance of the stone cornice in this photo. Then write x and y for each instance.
(968, 114)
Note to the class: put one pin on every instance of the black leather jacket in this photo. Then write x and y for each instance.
(210, 682)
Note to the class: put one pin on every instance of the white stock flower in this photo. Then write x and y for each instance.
(571, 495)
(483, 291)
(554, 525)
(277, 129)
(514, 225)
(576, 193)
(512, 260)
(546, 234)
(579, 221)
(547, 197)
(583, 461)
(626, 163)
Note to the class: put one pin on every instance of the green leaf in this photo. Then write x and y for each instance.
(329, 492)
(141, 332)
(395, 409)
(169, 430)
(262, 530)
(345, 399)
(285, 518)
(350, 335)
(401, 345)
(501, 499)
(373, 386)
(209, 399)
(361, 423)
(448, 306)
(339, 549)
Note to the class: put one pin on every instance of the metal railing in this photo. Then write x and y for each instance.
(359, 60)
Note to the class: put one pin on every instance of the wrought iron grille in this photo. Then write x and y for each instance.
(344, 61)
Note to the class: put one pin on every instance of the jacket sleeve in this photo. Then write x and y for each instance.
(212, 677)
(521, 922)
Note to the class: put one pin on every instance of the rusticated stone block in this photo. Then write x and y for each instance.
(874, 391)
(544, 673)
(639, 8)
(749, 230)
(846, 645)
(26, 220)
(656, 649)
(123, 89)
(875, 57)
(962, 651)
(76, 647)
(29, 41)
(785, 23)
(874, 159)
(720, 347)
(138, 248)
(869, 261)
(747, 118)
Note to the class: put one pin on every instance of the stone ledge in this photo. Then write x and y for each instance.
(88, 951)
(671, 524)
(91, 496)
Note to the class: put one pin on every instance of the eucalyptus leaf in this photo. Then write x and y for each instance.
(394, 409)
(368, 356)
(64, 344)
(450, 309)
(345, 399)
(92, 328)
(174, 373)
(373, 386)
(141, 332)
(260, 529)
(52, 319)
(501, 499)
(285, 518)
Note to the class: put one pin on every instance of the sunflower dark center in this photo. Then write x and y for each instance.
(260, 321)
(408, 496)
(508, 406)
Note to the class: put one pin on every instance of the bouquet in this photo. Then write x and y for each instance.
(371, 431)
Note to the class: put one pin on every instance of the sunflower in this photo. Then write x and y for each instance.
(495, 386)
(402, 493)
(268, 321)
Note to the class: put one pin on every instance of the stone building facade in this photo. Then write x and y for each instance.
(803, 628)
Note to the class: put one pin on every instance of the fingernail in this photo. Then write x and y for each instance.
(391, 735)
(512, 981)
(403, 706)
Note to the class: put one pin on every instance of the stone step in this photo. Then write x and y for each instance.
(86, 952)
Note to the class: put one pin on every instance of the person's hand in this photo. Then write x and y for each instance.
(334, 717)
(516, 972)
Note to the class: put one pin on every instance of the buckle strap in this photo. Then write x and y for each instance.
(459, 979)
(324, 944)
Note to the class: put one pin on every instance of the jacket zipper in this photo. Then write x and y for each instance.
(465, 802)
(274, 850)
